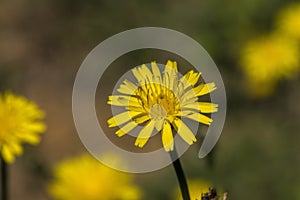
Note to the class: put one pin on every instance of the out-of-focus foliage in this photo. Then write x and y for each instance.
(84, 177)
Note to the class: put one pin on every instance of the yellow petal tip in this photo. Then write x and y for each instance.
(120, 133)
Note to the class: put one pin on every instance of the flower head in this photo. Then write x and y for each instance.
(159, 101)
(267, 60)
(289, 20)
(20, 122)
(85, 178)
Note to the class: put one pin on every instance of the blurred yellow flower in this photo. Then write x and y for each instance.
(160, 101)
(84, 178)
(20, 122)
(196, 188)
(289, 20)
(266, 60)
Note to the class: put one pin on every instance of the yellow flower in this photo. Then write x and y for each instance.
(266, 60)
(160, 101)
(196, 188)
(84, 178)
(289, 20)
(19, 123)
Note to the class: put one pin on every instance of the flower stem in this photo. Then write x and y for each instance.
(180, 175)
(4, 195)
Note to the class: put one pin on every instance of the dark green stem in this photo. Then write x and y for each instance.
(4, 194)
(180, 176)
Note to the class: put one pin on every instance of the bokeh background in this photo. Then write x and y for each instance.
(43, 42)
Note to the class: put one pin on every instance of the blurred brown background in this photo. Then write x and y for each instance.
(43, 42)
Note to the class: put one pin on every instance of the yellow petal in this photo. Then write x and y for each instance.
(152, 89)
(166, 79)
(175, 66)
(185, 101)
(16, 148)
(185, 133)
(167, 137)
(138, 75)
(204, 107)
(127, 128)
(200, 90)
(122, 100)
(190, 78)
(146, 73)
(159, 124)
(207, 107)
(141, 118)
(135, 109)
(156, 73)
(193, 106)
(145, 134)
(198, 117)
(183, 113)
(170, 74)
(127, 87)
(30, 138)
(171, 65)
(190, 94)
(203, 89)
(35, 127)
(122, 118)
(193, 79)
(7, 154)
(180, 89)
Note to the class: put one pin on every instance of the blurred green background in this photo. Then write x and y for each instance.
(43, 42)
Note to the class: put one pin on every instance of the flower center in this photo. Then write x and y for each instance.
(6, 125)
(159, 101)
(157, 112)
